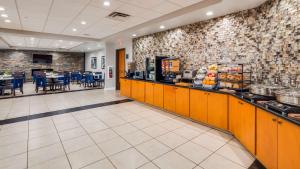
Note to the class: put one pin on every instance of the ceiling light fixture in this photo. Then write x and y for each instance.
(4, 15)
(106, 3)
(7, 21)
(83, 22)
(210, 13)
(60, 40)
(134, 35)
(2, 8)
(74, 29)
(162, 27)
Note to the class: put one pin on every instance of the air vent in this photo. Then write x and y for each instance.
(118, 16)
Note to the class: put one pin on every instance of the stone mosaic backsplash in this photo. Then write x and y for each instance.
(22, 61)
(266, 39)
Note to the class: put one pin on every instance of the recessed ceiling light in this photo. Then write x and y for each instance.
(134, 35)
(2, 8)
(60, 40)
(4, 15)
(106, 3)
(74, 29)
(88, 48)
(162, 27)
(83, 22)
(32, 39)
(7, 21)
(210, 13)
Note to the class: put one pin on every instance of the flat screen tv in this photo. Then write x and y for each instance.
(42, 58)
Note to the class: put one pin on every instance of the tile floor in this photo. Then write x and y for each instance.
(123, 136)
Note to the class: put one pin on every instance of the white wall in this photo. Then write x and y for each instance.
(89, 56)
(111, 60)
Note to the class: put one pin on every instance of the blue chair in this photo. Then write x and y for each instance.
(67, 81)
(89, 80)
(99, 78)
(41, 82)
(17, 83)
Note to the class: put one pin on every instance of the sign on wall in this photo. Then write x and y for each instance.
(110, 72)
(102, 62)
(94, 62)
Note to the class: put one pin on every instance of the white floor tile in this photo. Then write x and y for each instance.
(85, 157)
(172, 140)
(173, 160)
(103, 164)
(187, 133)
(72, 133)
(104, 135)
(114, 146)
(209, 142)
(155, 131)
(149, 166)
(238, 155)
(137, 137)
(45, 154)
(152, 149)
(56, 163)
(218, 162)
(43, 141)
(142, 123)
(125, 129)
(14, 162)
(128, 159)
(13, 149)
(193, 152)
(77, 143)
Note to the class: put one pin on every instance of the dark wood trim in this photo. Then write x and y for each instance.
(117, 67)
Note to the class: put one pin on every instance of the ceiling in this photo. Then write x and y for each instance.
(83, 24)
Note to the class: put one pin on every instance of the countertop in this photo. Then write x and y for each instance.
(237, 95)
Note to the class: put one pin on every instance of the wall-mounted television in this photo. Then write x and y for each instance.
(42, 58)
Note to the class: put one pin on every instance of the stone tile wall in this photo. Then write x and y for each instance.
(22, 61)
(266, 39)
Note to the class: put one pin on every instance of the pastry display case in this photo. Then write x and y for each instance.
(233, 77)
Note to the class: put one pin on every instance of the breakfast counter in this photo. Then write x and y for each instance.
(261, 130)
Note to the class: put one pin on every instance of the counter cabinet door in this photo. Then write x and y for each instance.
(234, 115)
(141, 91)
(122, 87)
(135, 90)
(169, 98)
(125, 88)
(198, 105)
(266, 139)
(158, 95)
(149, 93)
(182, 101)
(247, 125)
(217, 110)
(288, 145)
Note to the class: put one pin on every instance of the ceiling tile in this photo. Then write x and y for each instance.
(166, 7)
(114, 4)
(143, 3)
(62, 13)
(33, 17)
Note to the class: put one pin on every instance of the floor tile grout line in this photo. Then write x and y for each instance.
(153, 138)
(106, 157)
(61, 143)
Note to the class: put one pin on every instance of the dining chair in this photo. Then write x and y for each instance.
(41, 82)
(18, 84)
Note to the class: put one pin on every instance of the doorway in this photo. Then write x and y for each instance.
(120, 62)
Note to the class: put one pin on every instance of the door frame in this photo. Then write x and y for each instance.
(117, 67)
